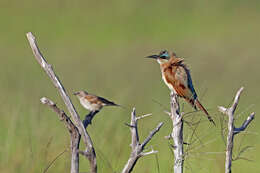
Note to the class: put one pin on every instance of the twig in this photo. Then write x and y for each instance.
(245, 124)
(143, 116)
(232, 130)
(74, 133)
(49, 165)
(55, 80)
(241, 152)
(137, 147)
(61, 114)
(157, 163)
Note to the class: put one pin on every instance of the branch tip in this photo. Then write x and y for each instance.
(143, 116)
(137, 148)
(78, 123)
(30, 35)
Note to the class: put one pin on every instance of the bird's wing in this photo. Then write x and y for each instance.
(176, 61)
(190, 85)
(107, 102)
(184, 81)
(92, 99)
(178, 76)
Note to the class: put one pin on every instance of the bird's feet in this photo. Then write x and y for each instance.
(88, 118)
(87, 121)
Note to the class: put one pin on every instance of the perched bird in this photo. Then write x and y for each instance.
(92, 103)
(177, 77)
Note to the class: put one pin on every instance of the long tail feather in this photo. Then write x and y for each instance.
(199, 105)
(114, 104)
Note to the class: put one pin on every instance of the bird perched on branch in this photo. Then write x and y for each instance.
(177, 77)
(92, 103)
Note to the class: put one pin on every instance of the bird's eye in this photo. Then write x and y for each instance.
(164, 55)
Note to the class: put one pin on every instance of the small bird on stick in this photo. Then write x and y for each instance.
(92, 103)
(177, 77)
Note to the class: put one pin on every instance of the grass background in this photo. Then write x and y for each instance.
(99, 46)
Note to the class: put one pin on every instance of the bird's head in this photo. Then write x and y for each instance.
(162, 57)
(80, 94)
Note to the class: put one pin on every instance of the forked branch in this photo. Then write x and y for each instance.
(137, 147)
(232, 130)
(75, 117)
(74, 133)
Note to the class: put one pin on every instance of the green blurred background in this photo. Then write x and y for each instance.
(99, 46)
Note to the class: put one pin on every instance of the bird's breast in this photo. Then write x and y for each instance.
(170, 86)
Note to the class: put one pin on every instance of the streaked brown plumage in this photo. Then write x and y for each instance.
(92, 102)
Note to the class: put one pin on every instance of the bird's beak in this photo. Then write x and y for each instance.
(153, 56)
(76, 93)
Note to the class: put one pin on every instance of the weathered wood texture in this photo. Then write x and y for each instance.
(137, 147)
(232, 130)
(74, 133)
(177, 134)
(89, 150)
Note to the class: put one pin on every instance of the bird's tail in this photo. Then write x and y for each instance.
(123, 107)
(199, 105)
(112, 104)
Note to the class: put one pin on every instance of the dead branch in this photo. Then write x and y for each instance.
(232, 130)
(137, 147)
(74, 133)
(177, 134)
(75, 117)
(245, 124)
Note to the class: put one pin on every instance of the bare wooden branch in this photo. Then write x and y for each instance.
(245, 124)
(168, 137)
(236, 100)
(232, 130)
(74, 133)
(167, 112)
(134, 131)
(55, 80)
(137, 147)
(143, 116)
(177, 134)
(152, 133)
(149, 152)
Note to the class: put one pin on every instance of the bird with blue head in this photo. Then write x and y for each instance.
(176, 76)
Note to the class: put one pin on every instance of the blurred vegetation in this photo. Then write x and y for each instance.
(99, 46)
